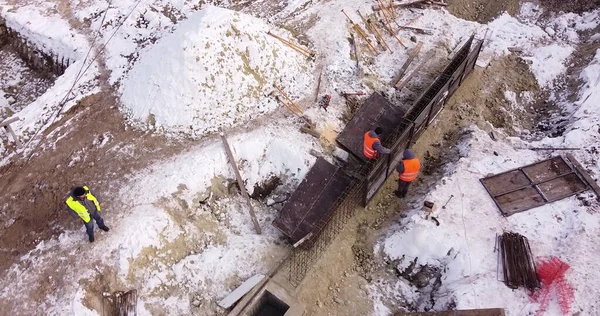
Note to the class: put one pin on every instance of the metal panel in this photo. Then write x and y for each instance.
(376, 111)
(312, 201)
(533, 185)
(472, 59)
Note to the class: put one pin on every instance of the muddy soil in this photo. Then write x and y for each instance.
(577, 6)
(482, 11)
(33, 192)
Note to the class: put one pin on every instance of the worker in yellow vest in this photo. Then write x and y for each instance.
(408, 170)
(83, 204)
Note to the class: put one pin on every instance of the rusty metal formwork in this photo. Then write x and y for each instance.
(311, 205)
(533, 185)
(372, 175)
(120, 303)
(516, 262)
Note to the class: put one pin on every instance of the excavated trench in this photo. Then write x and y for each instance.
(25, 71)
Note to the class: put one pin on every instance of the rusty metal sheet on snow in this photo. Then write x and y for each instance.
(533, 185)
(375, 111)
(313, 201)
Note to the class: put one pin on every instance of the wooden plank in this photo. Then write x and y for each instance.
(407, 63)
(14, 136)
(416, 29)
(240, 291)
(562, 187)
(377, 7)
(581, 170)
(8, 121)
(416, 70)
(505, 182)
(546, 170)
(241, 183)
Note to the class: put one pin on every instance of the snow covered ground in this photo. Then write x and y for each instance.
(463, 245)
(183, 255)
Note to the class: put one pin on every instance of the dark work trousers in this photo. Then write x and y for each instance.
(402, 188)
(89, 226)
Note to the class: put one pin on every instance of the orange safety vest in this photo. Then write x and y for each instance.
(411, 170)
(368, 150)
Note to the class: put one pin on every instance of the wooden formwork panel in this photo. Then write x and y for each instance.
(313, 200)
(533, 185)
(547, 170)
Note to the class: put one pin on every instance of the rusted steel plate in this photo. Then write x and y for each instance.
(312, 201)
(505, 182)
(562, 187)
(375, 111)
(547, 170)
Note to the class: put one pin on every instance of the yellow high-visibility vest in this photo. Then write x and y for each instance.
(79, 208)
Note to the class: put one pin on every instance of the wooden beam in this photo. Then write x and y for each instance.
(415, 71)
(377, 7)
(9, 121)
(581, 170)
(240, 291)
(407, 63)
(318, 86)
(360, 72)
(416, 29)
(438, 3)
(241, 183)
(553, 148)
(310, 131)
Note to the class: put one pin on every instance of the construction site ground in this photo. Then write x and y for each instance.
(338, 283)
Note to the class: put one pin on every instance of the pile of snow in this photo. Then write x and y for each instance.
(213, 72)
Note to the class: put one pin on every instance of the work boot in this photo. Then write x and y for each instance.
(91, 238)
(105, 228)
(398, 194)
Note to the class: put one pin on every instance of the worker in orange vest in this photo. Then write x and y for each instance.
(372, 147)
(408, 170)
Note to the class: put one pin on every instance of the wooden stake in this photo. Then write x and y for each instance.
(407, 63)
(389, 27)
(295, 47)
(414, 72)
(288, 98)
(373, 29)
(360, 32)
(241, 183)
(318, 86)
(288, 106)
(357, 56)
